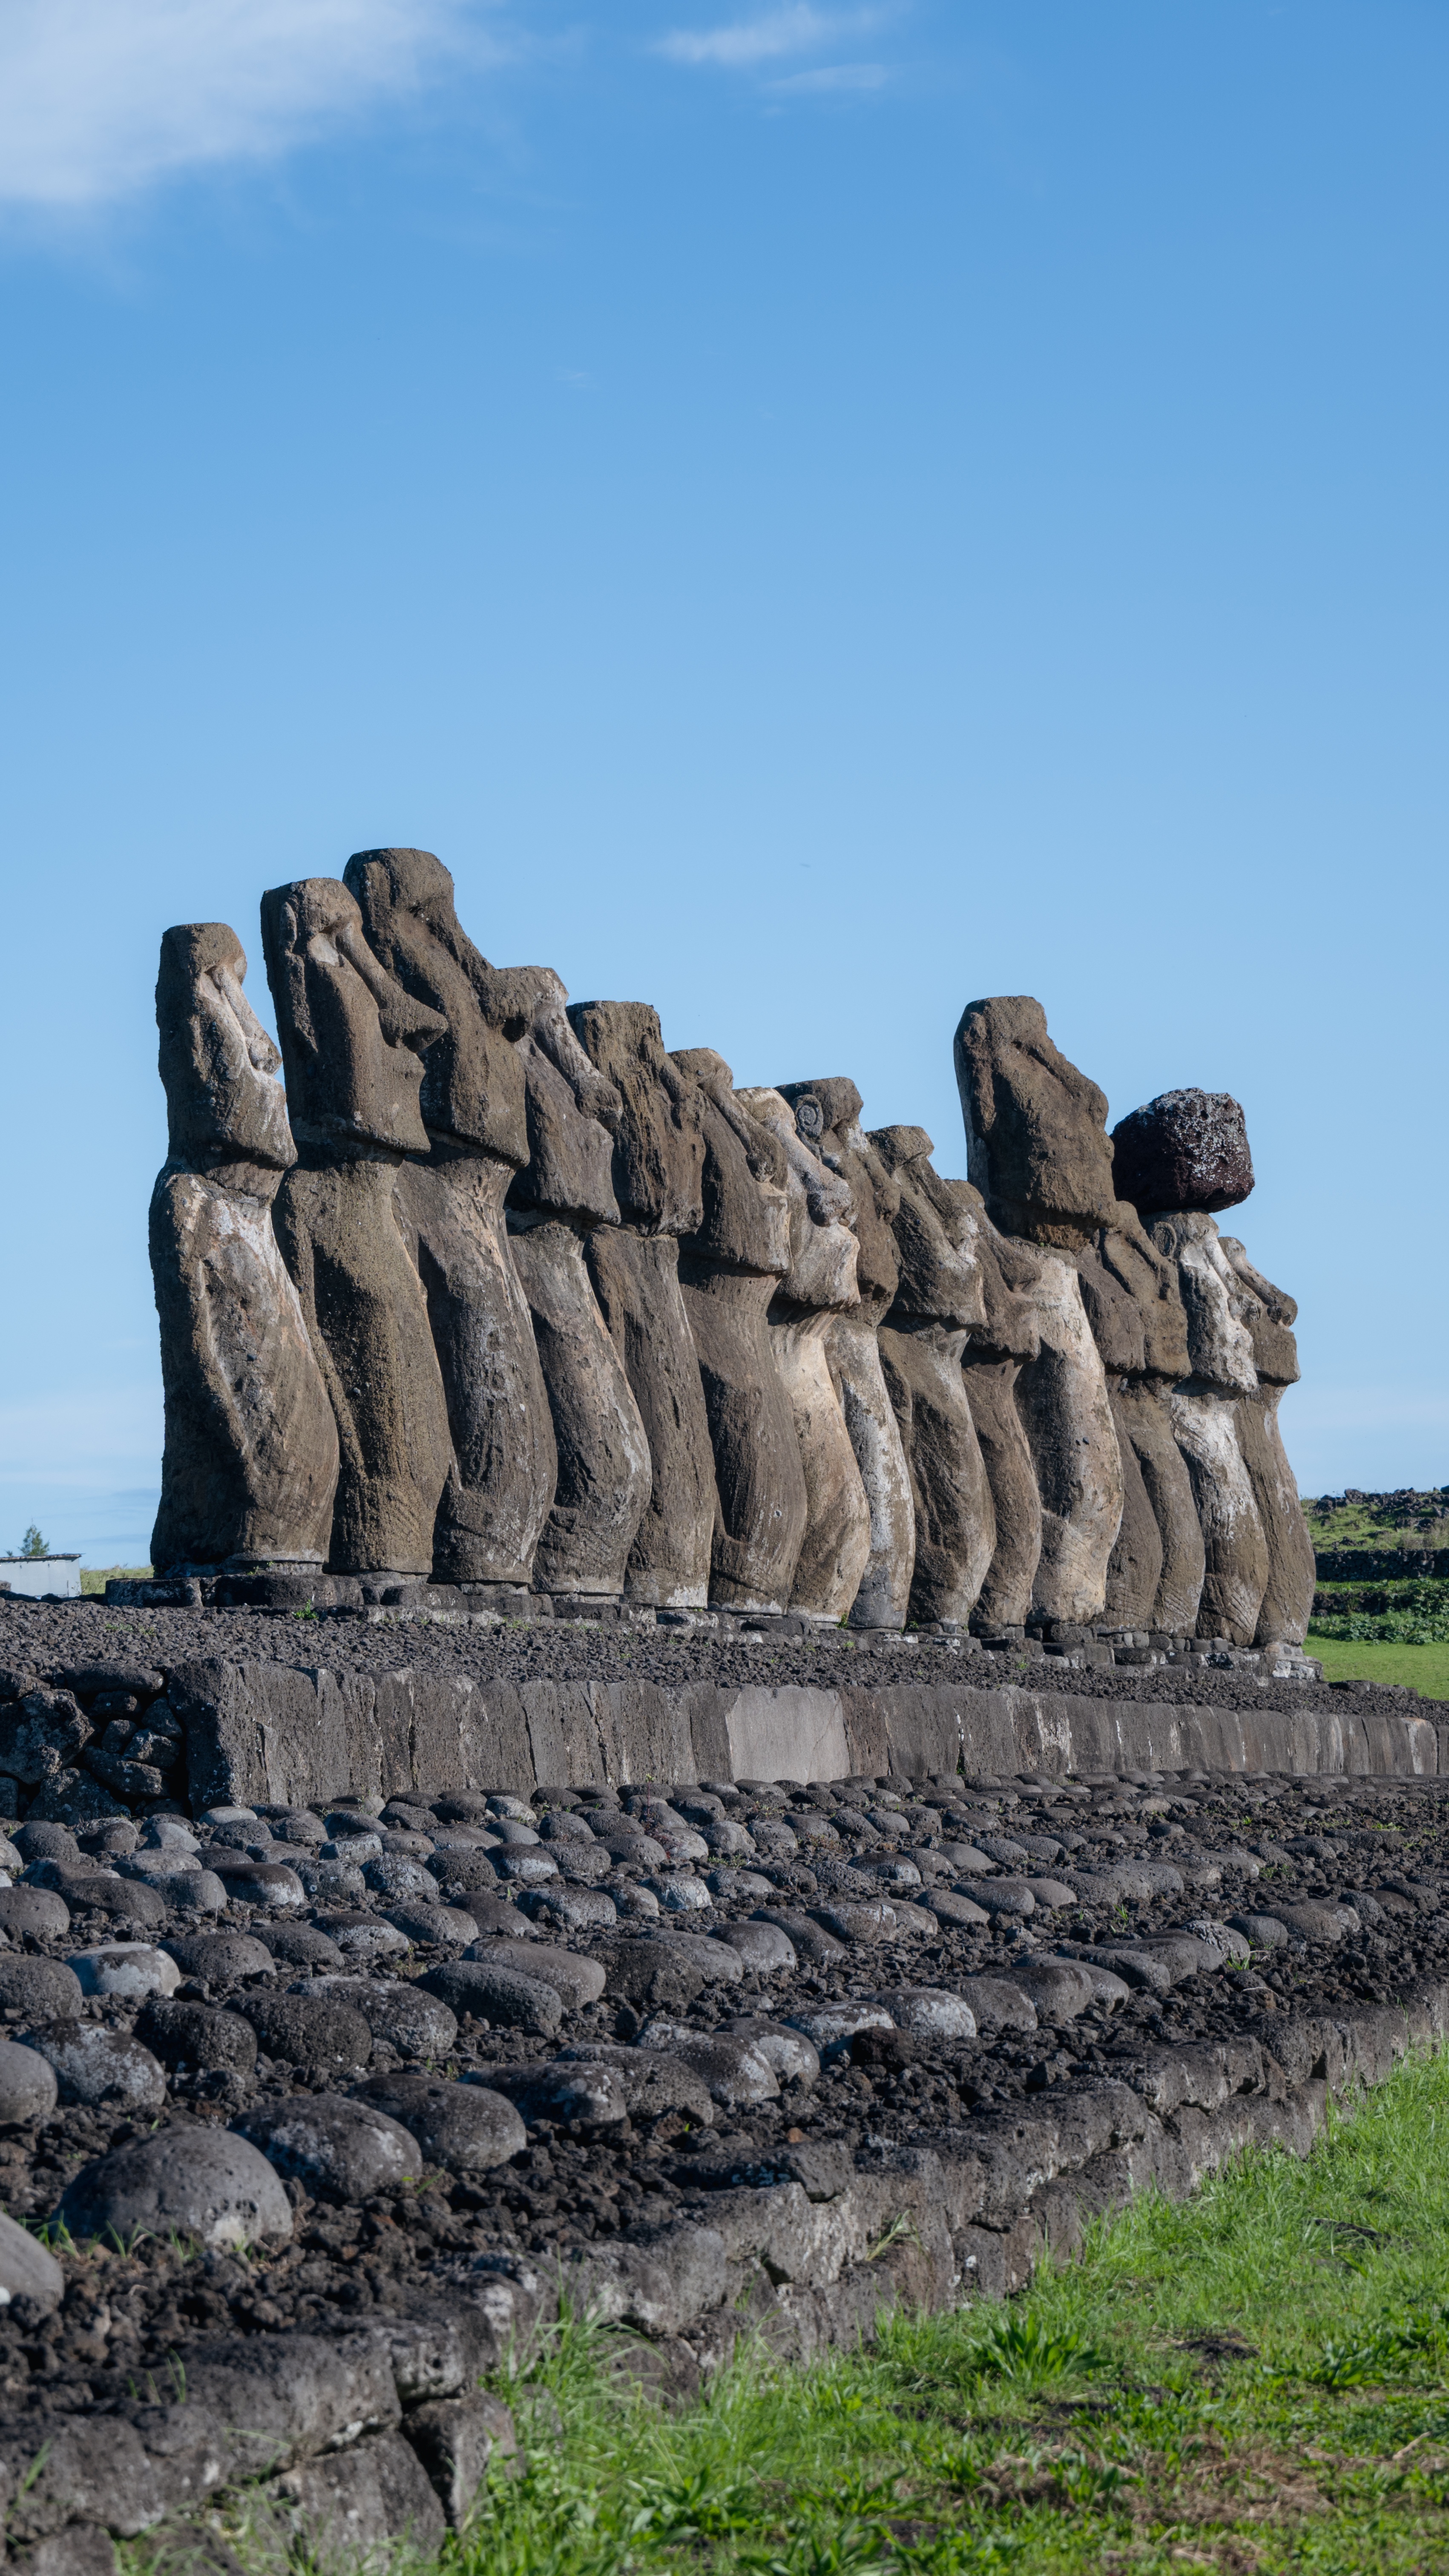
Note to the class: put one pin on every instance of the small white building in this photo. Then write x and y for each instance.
(32, 1576)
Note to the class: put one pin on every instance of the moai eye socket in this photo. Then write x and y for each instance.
(809, 1117)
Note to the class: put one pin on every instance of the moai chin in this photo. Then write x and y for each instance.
(250, 1459)
(827, 1116)
(353, 1043)
(449, 1198)
(819, 1286)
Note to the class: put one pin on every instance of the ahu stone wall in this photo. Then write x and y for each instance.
(501, 1293)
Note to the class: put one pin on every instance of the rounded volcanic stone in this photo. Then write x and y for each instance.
(652, 2081)
(763, 1948)
(363, 1936)
(1059, 1988)
(93, 2064)
(998, 2003)
(570, 1909)
(792, 2058)
(28, 2087)
(100, 1891)
(948, 1907)
(1006, 1896)
(810, 1940)
(733, 2070)
(38, 1910)
(872, 1920)
(1185, 1151)
(395, 1876)
(578, 1980)
(415, 2024)
(680, 1892)
(438, 1927)
(466, 2128)
(832, 2027)
(308, 2031)
(185, 2180)
(220, 1958)
(32, 2283)
(43, 1987)
(523, 1866)
(198, 2038)
(717, 1960)
(269, 1885)
(461, 1873)
(595, 2096)
(653, 1976)
(485, 1990)
(297, 1945)
(929, 2011)
(45, 1842)
(334, 2144)
(129, 1969)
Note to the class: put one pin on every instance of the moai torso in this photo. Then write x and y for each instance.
(250, 1460)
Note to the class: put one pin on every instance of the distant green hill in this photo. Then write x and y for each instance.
(1406, 1520)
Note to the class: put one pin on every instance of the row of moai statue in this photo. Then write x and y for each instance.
(501, 1292)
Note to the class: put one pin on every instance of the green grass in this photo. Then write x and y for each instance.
(94, 1578)
(1424, 1668)
(1252, 2382)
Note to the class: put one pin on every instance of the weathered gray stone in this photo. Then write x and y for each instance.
(350, 2148)
(465, 2127)
(450, 1204)
(657, 1167)
(32, 2283)
(577, 1979)
(197, 2039)
(42, 1987)
(93, 2064)
(395, 2009)
(27, 2085)
(728, 1270)
(604, 1471)
(312, 2032)
(33, 1909)
(374, 2496)
(1292, 1569)
(819, 1285)
(191, 2180)
(1036, 1140)
(353, 1084)
(1204, 1410)
(250, 1459)
(827, 1115)
(486, 1990)
(456, 2440)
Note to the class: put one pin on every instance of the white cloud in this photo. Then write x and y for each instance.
(797, 29)
(98, 98)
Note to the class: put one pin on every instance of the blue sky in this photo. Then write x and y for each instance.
(816, 514)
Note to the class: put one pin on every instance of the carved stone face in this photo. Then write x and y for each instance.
(1036, 1137)
(352, 1040)
(223, 1101)
(472, 1090)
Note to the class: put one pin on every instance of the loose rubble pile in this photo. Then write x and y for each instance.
(330, 2108)
(502, 1294)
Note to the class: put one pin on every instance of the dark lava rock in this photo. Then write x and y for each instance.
(466, 2127)
(493, 1993)
(300, 1945)
(93, 2064)
(43, 1987)
(308, 2031)
(27, 2084)
(197, 2038)
(220, 1958)
(1186, 1150)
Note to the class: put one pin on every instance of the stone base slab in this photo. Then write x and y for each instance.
(277, 1734)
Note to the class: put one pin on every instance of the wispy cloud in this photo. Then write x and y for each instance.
(748, 43)
(842, 78)
(99, 98)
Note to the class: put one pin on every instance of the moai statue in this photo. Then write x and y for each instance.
(1037, 1150)
(1181, 1160)
(657, 1173)
(1135, 1309)
(827, 1116)
(1292, 1568)
(729, 1270)
(250, 1461)
(352, 1048)
(996, 1351)
(940, 1300)
(819, 1285)
(502, 1484)
(563, 1194)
